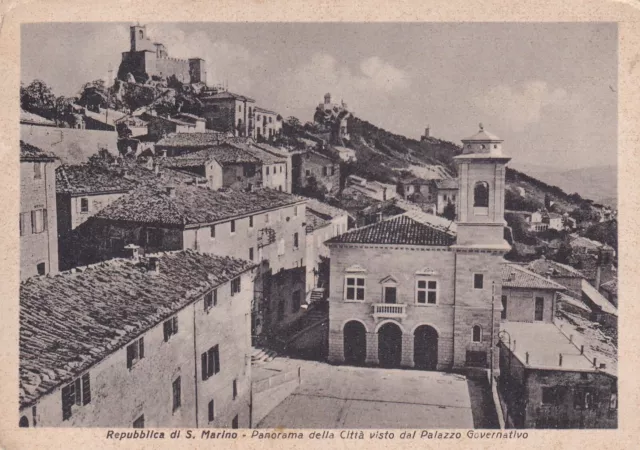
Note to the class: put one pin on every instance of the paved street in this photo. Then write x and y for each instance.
(356, 397)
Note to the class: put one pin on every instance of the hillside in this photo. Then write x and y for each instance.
(596, 183)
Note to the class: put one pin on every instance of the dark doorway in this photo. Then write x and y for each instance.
(355, 343)
(389, 345)
(425, 348)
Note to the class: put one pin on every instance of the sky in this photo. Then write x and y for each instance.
(548, 89)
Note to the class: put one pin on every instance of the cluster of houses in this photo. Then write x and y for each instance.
(151, 264)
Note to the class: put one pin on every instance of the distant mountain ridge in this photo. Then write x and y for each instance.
(599, 184)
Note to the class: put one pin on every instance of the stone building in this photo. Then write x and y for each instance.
(557, 375)
(159, 341)
(447, 191)
(323, 222)
(312, 165)
(267, 124)
(146, 59)
(335, 116)
(412, 293)
(409, 186)
(38, 222)
(526, 296)
(176, 144)
(228, 112)
(569, 277)
(264, 226)
(159, 126)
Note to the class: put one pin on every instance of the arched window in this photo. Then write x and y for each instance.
(477, 333)
(141, 34)
(24, 422)
(481, 194)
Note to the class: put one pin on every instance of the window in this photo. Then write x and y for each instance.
(139, 422)
(613, 401)
(41, 268)
(76, 393)
(539, 309)
(234, 422)
(333, 170)
(212, 228)
(210, 300)
(266, 218)
(503, 313)
(280, 169)
(583, 398)
(210, 362)
(426, 292)
(281, 247)
(553, 395)
(239, 108)
(390, 294)
(250, 221)
(154, 237)
(235, 389)
(235, 286)
(270, 119)
(37, 170)
(24, 422)
(251, 254)
(212, 411)
(267, 170)
(38, 220)
(295, 211)
(233, 226)
(176, 394)
(477, 333)
(481, 194)
(170, 327)
(307, 172)
(135, 352)
(295, 240)
(24, 223)
(84, 205)
(478, 281)
(295, 304)
(354, 288)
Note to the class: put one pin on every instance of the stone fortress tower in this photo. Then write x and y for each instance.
(146, 59)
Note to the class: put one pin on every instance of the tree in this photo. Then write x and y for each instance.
(564, 253)
(94, 95)
(314, 189)
(449, 211)
(37, 98)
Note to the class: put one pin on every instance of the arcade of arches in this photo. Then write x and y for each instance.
(389, 347)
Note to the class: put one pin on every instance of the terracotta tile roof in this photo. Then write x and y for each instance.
(34, 119)
(315, 221)
(90, 179)
(610, 286)
(29, 152)
(515, 276)
(227, 96)
(400, 230)
(449, 183)
(324, 209)
(224, 154)
(71, 321)
(416, 181)
(264, 156)
(192, 205)
(102, 178)
(262, 110)
(206, 139)
(547, 267)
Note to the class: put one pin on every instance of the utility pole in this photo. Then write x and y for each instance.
(108, 95)
(493, 307)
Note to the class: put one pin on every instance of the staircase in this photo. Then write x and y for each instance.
(262, 355)
(306, 333)
(315, 295)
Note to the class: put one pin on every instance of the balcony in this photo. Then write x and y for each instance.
(389, 311)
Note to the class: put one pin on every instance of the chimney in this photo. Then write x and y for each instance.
(156, 168)
(154, 265)
(171, 191)
(598, 276)
(133, 252)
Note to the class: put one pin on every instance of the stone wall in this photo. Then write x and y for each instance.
(38, 194)
(521, 304)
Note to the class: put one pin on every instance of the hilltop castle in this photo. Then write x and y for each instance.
(146, 59)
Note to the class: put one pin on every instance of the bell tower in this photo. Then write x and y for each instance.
(481, 180)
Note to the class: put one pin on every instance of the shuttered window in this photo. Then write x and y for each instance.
(76, 393)
(210, 361)
(135, 352)
(170, 327)
(212, 412)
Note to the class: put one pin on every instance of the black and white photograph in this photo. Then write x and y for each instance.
(260, 228)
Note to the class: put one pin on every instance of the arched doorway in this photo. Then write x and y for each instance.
(355, 342)
(24, 422)
(389, 345)
(425, 348)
